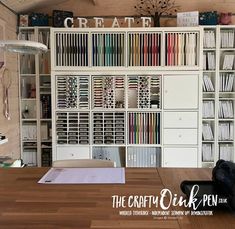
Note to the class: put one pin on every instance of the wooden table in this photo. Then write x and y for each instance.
(26, 204)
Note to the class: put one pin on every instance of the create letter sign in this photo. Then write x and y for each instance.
(99, 22)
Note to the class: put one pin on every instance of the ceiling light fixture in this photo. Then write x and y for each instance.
(23, 46)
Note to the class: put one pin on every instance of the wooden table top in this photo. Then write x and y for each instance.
(26, 204)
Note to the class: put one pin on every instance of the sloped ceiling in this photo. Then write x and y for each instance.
(21, 6)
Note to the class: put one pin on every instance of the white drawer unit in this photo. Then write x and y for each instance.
(180, 91)
(180, 120)
(180, 136)
(180, 157)
(72, 152)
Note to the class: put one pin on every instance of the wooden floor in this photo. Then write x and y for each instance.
(26, 204)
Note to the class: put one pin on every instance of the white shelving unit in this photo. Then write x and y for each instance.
(226, 89)
(116, 94)
(218, 93)
(35, 100)
(209, 96)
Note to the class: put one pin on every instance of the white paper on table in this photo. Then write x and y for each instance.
(84, 176)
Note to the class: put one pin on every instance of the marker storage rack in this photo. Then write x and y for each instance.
(72, 128)
(109, 128)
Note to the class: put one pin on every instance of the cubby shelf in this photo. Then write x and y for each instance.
(132, 48)
(35, 99)
(222, 81)
(127, 82)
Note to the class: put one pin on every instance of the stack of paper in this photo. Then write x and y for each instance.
(29, 132)
(207, 84)
(207, 133)
(29, 157)
(84, 176)
(209, 61)
(143, 157)
(226, 109)
(227, 38)
(208, 110)
(225, 131)
(209, 39)
(226, 82)
(226, 151)
(207, 152)
(227, 61)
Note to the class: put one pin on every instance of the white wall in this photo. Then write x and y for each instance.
(10, 128)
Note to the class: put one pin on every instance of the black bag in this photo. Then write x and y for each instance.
(38, 19)
(208, 18)
(222, 184)
(59, 16)
(223, 176)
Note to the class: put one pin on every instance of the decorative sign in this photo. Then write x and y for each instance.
(99, 22)
(24, 20)
(188, 18)
(160, 206)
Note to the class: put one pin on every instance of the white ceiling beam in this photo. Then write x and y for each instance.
(28, 5)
